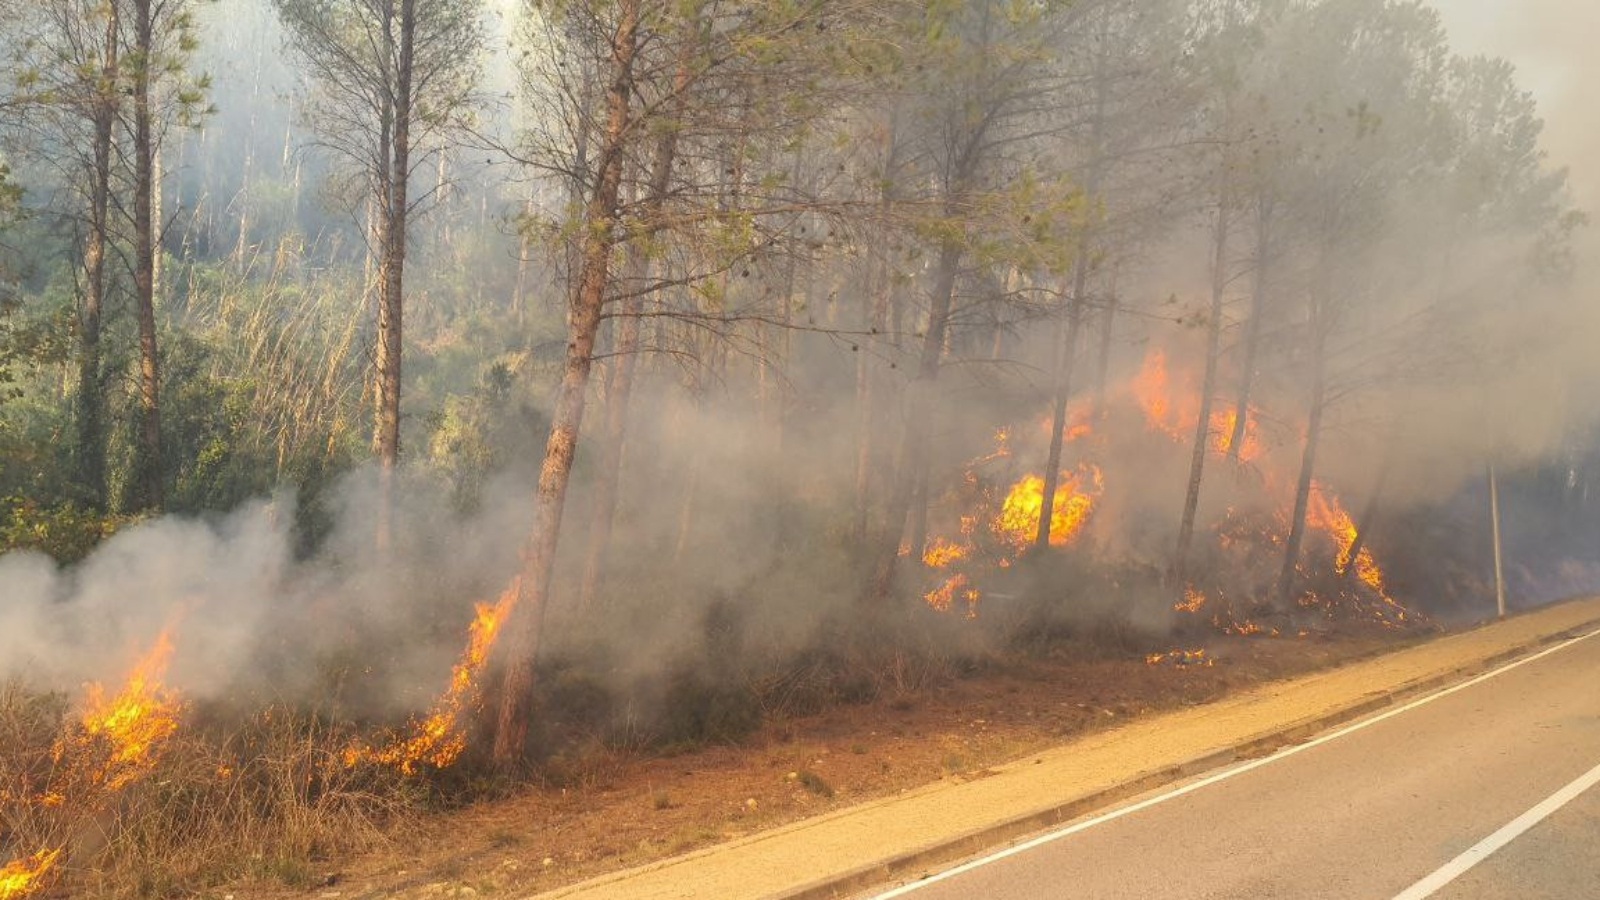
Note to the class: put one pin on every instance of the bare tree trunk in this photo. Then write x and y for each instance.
(1067, 353)
(391, 272)
(1066, 358)
(519, 294)
(875, 314)
(608, 475)
(1108, 322)
(91, 389)
(1208, 387)
(1252, 328)
(538, 557)
(1308, 465)
(875, 321)
(919, 401)
(151, 467)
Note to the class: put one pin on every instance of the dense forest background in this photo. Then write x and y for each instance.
(747, 339)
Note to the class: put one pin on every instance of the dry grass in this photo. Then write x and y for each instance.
(261, 796)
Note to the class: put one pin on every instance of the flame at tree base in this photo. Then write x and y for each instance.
(1070, 509)
(439, 740)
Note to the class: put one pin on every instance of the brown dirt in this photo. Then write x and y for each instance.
(620, 810)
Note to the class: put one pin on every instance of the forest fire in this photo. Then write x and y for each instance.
(941, 553)
(438, 739)
(116, 741)
(1192, 601)
(1324, 512)
(135, 722)
(1018, 521)
(21, 877)
(1171, 412)
(1182, 658)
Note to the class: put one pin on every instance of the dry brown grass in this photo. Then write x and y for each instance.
(259, 796)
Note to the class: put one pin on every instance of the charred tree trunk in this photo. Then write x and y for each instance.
(151, 468)
(919, 401)
(599, 238)
(1208, 386)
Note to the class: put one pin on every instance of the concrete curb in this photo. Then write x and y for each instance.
(996, 836)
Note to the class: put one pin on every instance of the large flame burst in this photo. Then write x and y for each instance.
(1018, 522)
(116, 741)
(134, 723)
(438, 739)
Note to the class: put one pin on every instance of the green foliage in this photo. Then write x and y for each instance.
(66, 532)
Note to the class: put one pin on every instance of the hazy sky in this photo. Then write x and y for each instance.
(1552, 44)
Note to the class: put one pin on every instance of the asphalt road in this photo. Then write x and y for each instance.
(1454, 798)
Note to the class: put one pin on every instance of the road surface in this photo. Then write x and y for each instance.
(1484, 791)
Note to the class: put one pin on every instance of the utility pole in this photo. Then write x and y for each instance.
(1494, 525)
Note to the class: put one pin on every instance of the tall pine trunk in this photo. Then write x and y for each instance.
(599, 238)
(1067, 352)
(1284, 588)
(1208, 387)
(1252, 328)
(913, 456)
(391, 270)
(608, 469)
(151, 468)
(875, 303)
(91, 387)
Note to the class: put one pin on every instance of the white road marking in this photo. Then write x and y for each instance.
(1480, 851)
(1225, 775)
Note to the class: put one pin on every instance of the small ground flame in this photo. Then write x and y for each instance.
(1192, 601)
(943, 596)
(1181, 658)
(942, 553)
(21, 877)
(438, 739)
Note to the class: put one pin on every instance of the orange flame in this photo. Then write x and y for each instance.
(20, 877)
(941, 553)
(1326, 513)
(1191, 602)
(438, 739)
(944, 595)
(1181, 658)
(136, 722)
(1222, 425)
(1152, 390)
(1018, 521)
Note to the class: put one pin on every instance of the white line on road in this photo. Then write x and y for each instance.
(1480, 851)
(1223, 775)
